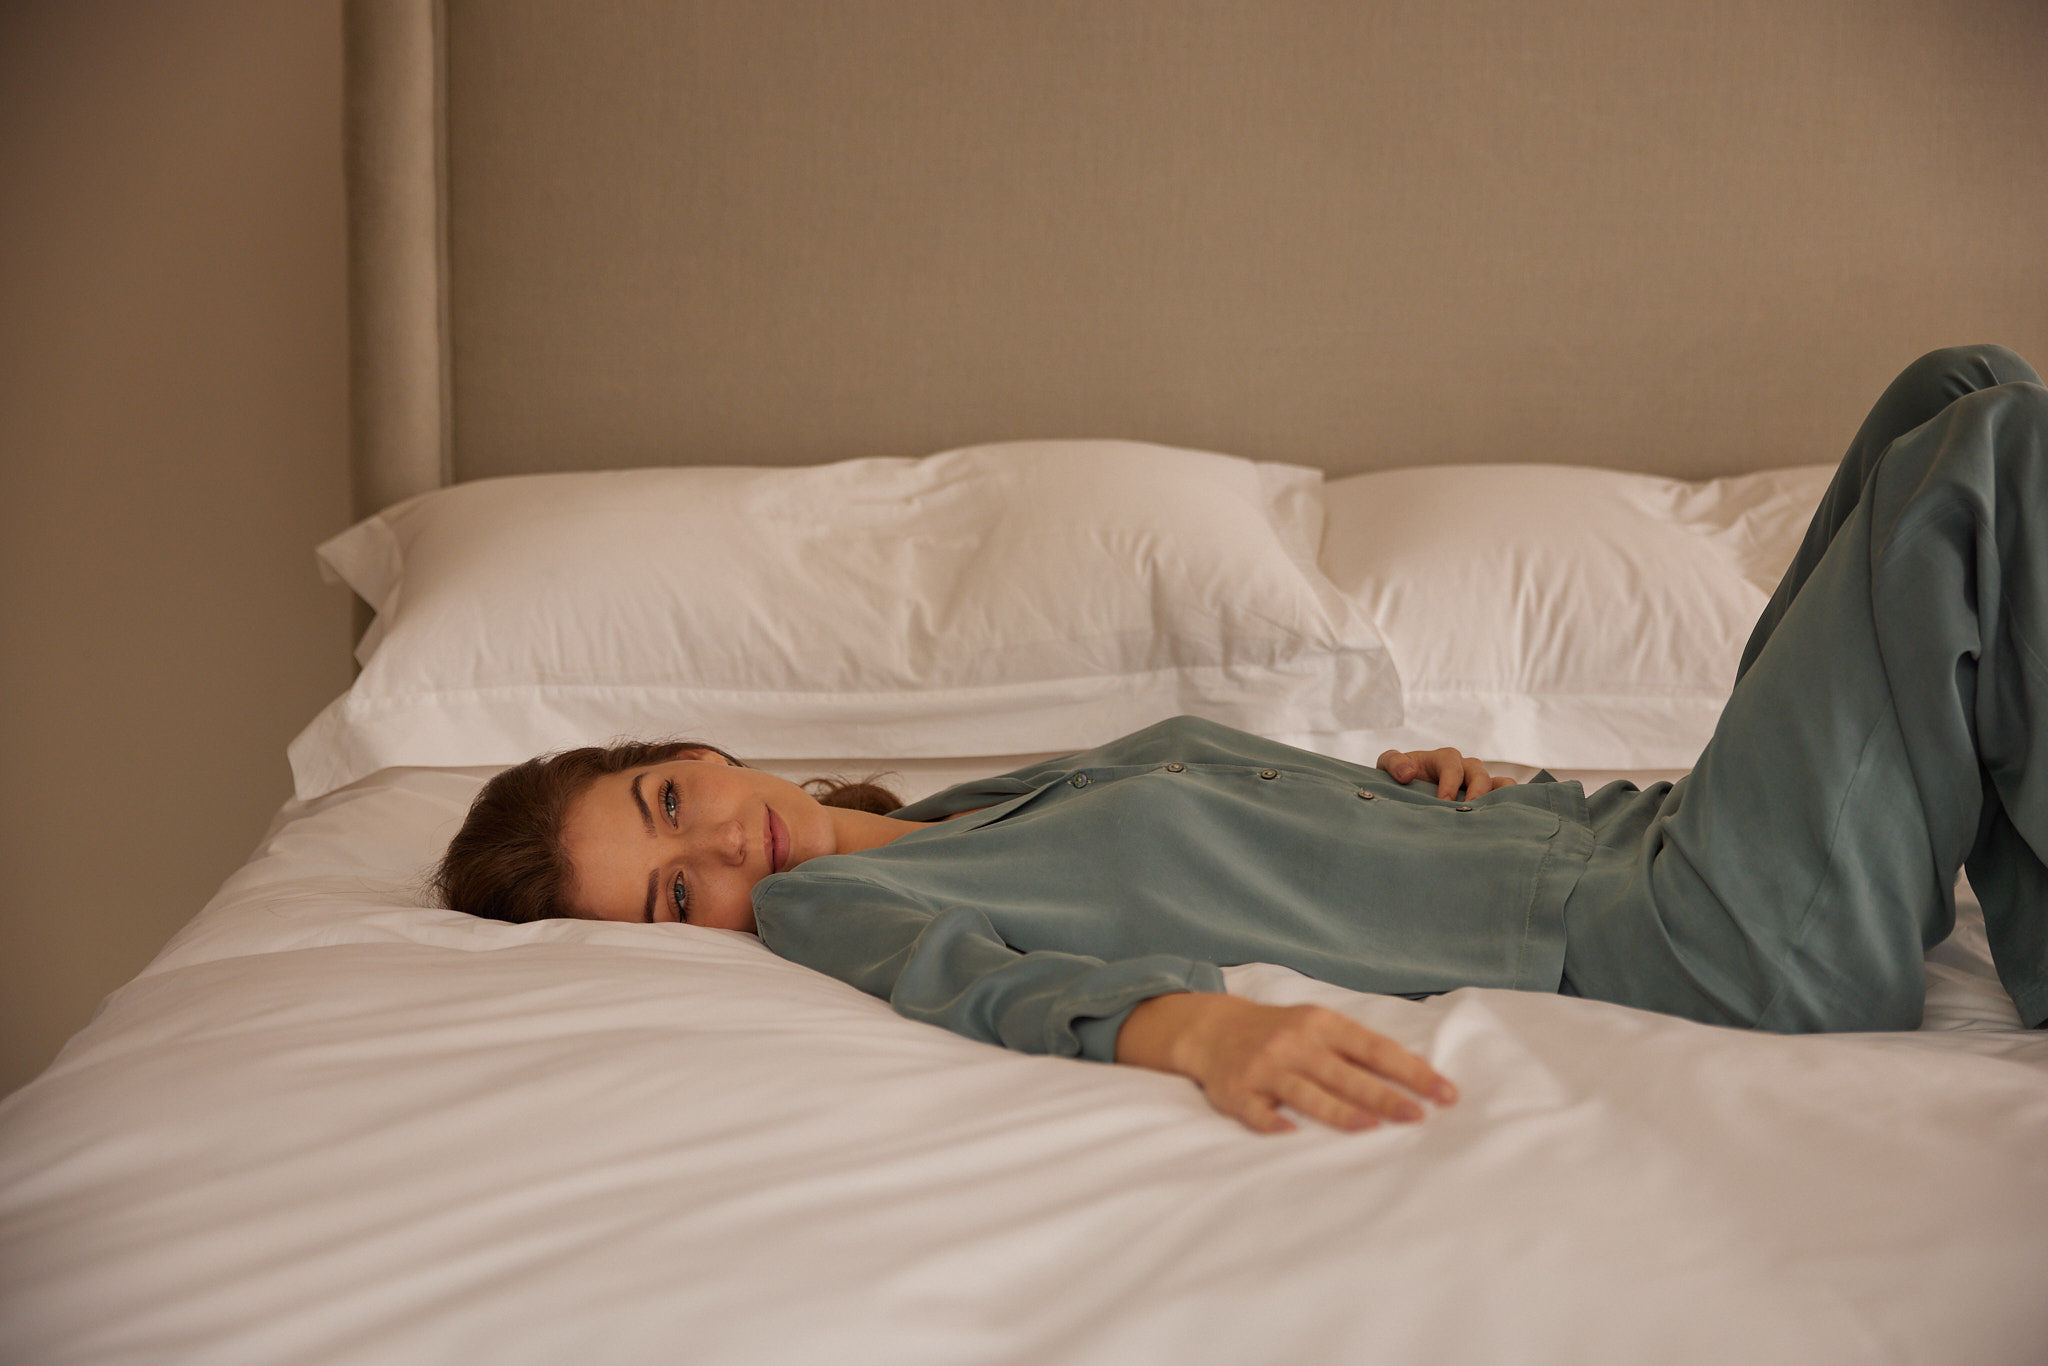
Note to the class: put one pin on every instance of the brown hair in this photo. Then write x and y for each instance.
(507, 861)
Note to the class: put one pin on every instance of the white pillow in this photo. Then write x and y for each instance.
(1026, 597)
(1557, 616)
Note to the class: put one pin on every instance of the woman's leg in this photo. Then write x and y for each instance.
(1883, 719)
(1922, 389)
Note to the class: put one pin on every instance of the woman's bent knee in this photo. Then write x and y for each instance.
(2012, 408)
(1960, 369)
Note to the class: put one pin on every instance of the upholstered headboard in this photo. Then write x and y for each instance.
(1688, 239)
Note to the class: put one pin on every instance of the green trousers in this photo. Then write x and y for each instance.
(1888, 727)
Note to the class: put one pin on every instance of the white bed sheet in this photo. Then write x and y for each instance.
(329, 1125)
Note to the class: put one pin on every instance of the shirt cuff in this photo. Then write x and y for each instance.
(1097, 1034)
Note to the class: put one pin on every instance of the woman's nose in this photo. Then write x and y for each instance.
(726, 842)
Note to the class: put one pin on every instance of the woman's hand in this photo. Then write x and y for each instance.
(1250, 1059)
(1451, 770)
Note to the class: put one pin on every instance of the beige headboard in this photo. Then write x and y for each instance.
(1684, 238)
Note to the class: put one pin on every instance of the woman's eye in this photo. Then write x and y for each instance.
(681, 897)
(668, 800)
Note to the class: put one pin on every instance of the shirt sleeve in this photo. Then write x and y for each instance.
(949, 967)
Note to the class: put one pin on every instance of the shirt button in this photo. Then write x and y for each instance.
(1269, 773)
(1175, 768)
(1078, 780)
(1367, 795)
(1464, 808)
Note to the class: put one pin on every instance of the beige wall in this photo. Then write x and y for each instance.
(1693, 238)
(173, 441)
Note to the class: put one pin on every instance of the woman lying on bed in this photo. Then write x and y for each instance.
(1878, 739)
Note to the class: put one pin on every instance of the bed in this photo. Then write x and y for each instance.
(335, 1122)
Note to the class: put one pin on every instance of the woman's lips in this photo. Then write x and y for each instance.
(778, 843)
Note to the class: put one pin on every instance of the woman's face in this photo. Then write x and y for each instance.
(686, 840)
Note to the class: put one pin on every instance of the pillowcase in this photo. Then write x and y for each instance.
(1017, 598)
(1557, 616)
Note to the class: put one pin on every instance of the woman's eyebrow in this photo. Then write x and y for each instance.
(646, 819)
(646, 816)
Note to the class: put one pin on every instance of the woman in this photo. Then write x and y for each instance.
(1878, 739)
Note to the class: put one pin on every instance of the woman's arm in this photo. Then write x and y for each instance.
(1250, 1058)
(948, 966)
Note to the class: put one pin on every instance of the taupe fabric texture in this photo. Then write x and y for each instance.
(398, 356)
(1688, 239)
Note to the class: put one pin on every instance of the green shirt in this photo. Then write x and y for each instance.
(1095, 881)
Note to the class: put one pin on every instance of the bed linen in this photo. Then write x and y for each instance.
(1595, 616)
(1044, 595)
(1018, 596)
(330, 1123)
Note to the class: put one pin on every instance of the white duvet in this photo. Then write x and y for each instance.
(328, 1125)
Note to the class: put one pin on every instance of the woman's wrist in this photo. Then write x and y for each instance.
(1158, 1032)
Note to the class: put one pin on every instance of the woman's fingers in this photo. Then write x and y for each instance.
(1322, 1104)
(1381, 1055)
(1429, 763)
(1263, 1116)
(1331, 1068)
(1454, 773)
(1451, 768)
(1362, 1093)
(1250, 1058)
(1478, 782)
(1334, 1090)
